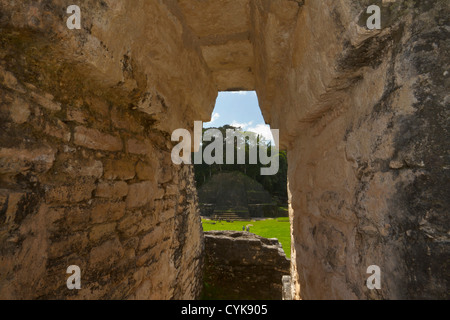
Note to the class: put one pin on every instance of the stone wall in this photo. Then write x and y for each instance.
(364, 116)
(242, 265)
(86, 176)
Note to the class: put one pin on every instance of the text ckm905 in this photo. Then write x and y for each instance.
(213, 152)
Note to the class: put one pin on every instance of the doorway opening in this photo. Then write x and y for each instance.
(237, 201)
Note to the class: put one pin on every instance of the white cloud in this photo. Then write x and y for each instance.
(263, 130)
(214, 117)
(243, 125)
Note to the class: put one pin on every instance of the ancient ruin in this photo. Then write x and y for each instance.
(234, 196)
(86, 176)
(243, 266)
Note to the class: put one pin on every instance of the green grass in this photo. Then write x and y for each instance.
(270, 228)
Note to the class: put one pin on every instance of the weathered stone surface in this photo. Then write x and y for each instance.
(287, 288)
(106, 255)
(94, 139)
(58, 130)
(362, 113)
(140, 194)
(20, 111)
(151, 239)
(70, 193)
(242, 265)
(138, 147)
(46, 101)
(224, 40)
(112, 190)
(100, 231)
(14, 160)
(146, 172)
(119, 169)
(77, 115)
(83, 167)
(107, 211)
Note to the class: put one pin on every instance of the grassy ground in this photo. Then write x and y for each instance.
(270, 228)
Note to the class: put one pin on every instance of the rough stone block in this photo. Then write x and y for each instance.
(107, 211)
(77, 217)
(119, 169)
(146, 172)
(69, 244)
(106, 255)
(14, 160)
(100, 231)
(99, 106)
(140, 194)
(58, 130)
(166, 215)
(94, 139)
(122, 120)
(171, 190)
(252, 261)
(150, 239)
(138, 147)
(19, 111)
(130, 221)
(46, 101)
(92, 168)
(76, 115)
(71, 194)
(113, 190)
(84, 168)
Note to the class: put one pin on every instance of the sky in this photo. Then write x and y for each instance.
(239, 109)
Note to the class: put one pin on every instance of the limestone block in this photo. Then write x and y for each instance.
(70, 193)
(165, 215)
(84, 168)
(77, 115)
(77, 217)
(112, 190)
(94, 139)
(58, 130)
(99, 106)
(107, 211)
(19, 111)
(145, 171)
(13, 160)
(150, 239)
(46, 101)
(123, 120)
(140, 194)
(106, 255)
(119, 169)
(138, 147)
(129, 222)
(68, 244)
(244, 265)
(100, 231)
(172, 190)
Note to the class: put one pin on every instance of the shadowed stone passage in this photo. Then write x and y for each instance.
(242, 265)
(86, 176)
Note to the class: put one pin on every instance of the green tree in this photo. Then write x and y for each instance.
(276, 184)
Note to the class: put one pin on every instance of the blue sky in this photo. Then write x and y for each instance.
(239, 109)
